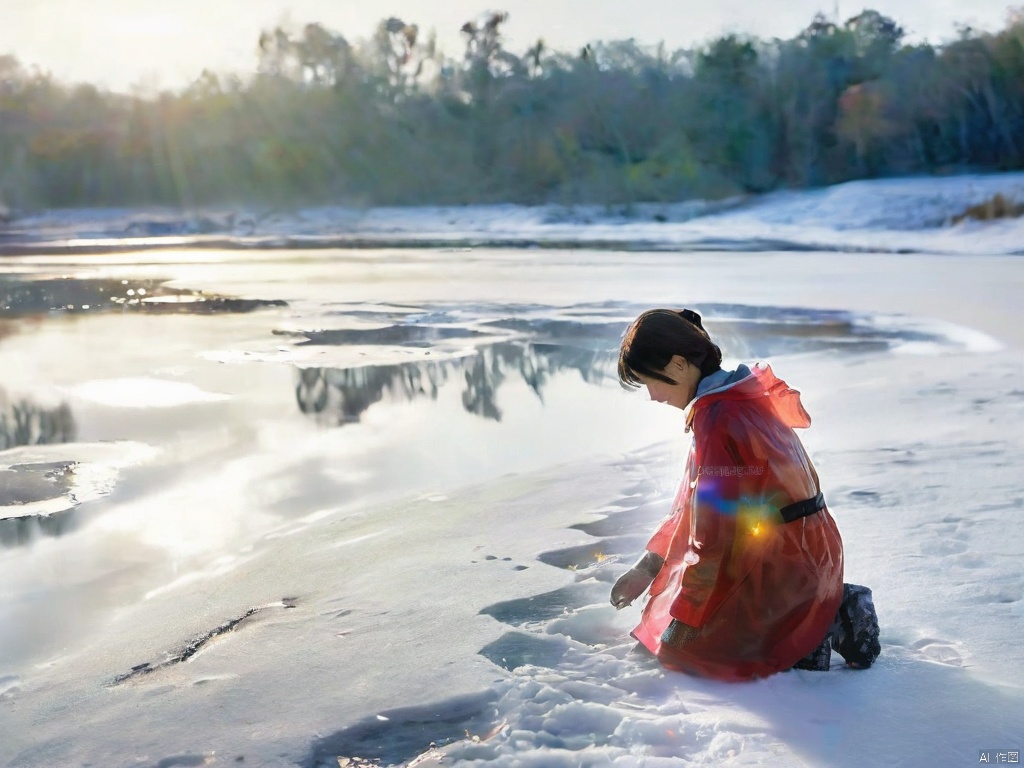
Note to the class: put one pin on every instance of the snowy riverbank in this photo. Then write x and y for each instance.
(889, 215)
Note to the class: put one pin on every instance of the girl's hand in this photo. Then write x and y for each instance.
(629, 587)
(633, 582)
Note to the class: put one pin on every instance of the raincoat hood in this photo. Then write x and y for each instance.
(748, 383)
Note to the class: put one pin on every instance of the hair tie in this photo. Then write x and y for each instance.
(690, 315)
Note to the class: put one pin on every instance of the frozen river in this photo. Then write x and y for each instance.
(252, 500)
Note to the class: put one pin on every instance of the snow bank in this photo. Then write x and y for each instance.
(886, 215)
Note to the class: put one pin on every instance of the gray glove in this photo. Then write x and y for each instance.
(633, 582)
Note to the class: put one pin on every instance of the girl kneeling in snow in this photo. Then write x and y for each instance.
(746, 574)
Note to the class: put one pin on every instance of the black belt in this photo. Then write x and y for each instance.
(799, 509)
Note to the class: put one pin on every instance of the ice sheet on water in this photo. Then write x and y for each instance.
(42, 480)
(143, 392)
(446, 335)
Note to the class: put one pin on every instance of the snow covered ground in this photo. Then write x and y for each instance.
(297, 535)
(890, 215)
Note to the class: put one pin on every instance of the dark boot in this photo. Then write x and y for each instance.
(819, 659)
(855, 631)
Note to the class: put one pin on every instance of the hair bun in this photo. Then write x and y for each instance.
(693, 317)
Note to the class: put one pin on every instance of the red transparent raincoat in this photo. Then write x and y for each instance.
(763, 592)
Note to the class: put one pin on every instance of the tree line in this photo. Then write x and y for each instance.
(393, 120)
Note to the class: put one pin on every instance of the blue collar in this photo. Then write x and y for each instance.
(721, 378)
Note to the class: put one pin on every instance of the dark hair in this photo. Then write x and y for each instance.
(655, 336)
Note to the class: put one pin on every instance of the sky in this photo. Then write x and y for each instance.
(167, 43)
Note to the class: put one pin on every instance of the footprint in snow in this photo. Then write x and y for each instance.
(1008, 594)
(944, 547)
(9, 685)
(938, 651)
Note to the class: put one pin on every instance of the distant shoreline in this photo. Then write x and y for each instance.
(968, 214)
(130, 245)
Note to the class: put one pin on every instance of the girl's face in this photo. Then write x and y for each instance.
(679, 394)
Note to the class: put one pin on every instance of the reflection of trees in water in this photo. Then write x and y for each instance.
(349, 392)
(483, 377)
(25, 423)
